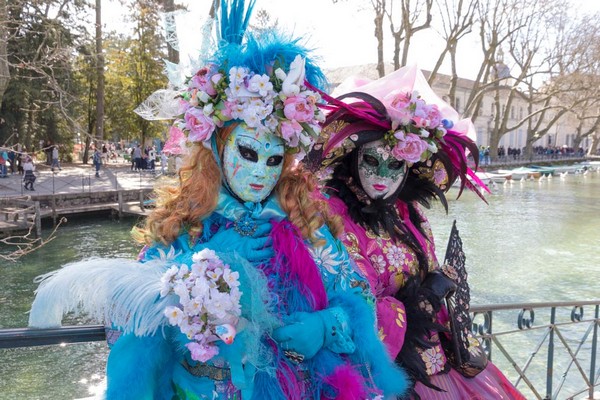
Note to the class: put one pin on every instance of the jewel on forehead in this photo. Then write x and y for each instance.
(384, 151)
(267, 145)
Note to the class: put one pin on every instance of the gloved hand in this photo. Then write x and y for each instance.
(256, 248)
(304, 333)
(436, 287)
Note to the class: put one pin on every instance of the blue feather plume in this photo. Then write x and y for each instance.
(233, 21)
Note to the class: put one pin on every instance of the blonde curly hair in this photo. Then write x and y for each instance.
(183, 207)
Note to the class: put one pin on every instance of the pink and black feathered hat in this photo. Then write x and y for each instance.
(401, 108)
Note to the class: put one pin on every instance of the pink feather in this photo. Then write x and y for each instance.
(347, 383)
(289, 245)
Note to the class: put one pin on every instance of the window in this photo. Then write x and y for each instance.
(457, 104)
(520, 112)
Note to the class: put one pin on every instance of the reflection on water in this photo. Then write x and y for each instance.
(56, 372)
(532, 242)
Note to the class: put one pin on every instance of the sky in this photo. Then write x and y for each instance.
(342, 33)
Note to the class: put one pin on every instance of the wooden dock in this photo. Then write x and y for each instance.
(19, 216)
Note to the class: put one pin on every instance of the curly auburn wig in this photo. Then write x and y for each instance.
(183, 207)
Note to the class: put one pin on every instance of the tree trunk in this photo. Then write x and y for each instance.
(4, 71)
(594, 146)
(379, 36)
(100, 74)
(397, 41)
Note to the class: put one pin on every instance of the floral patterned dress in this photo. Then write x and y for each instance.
(387, 264)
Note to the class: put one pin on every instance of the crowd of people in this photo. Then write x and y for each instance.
(293, 258)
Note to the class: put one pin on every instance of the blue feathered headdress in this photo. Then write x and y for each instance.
(260, 82)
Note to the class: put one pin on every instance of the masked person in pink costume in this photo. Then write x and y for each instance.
(387, 147)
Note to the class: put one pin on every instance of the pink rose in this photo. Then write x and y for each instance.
(290, 132)
(200, 352)
(399, 108)
(427, 116)
(176, 141)
(298, 108)
(434, 116)
(410, 147)
(200, 126)
(201, 80)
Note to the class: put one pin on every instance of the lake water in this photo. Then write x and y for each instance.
(534, 241)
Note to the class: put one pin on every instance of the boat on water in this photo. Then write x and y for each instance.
(496, 177)
(521, 173)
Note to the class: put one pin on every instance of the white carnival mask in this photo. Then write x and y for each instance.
(380, 174)
(252, 163)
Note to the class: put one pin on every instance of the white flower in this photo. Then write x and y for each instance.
(202, 96)
(167, 280)
(194, 306)
(295, 78)
(237, 74)
(183, 271)
(219, 304)
(181, 290)
(214, 274)
(319, 116)
(250, 117)
(231, 278)
(424, 133)
(200, 288)
(271, 123)
(175, 315)
(280, 74)
(208, 109)
(432, 147)
(260, 84)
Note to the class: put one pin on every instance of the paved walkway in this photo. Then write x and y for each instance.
(79, 178)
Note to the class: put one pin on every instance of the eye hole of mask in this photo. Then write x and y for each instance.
(370, 160)
(247, 153)
(274, 161)
(395, 164)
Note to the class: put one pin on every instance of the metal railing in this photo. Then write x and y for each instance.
(554, 335)
(557, 339)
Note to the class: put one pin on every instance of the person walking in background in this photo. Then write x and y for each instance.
(55, 161)
(29, 177)
(97, 160)
(151, 158)
(137, 157)
(3, 159)
(164, 159)
(12, 159)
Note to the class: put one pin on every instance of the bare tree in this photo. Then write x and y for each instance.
(379, 9)
(457, 20)
(414, 16)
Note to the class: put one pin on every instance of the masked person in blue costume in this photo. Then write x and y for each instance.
(243, 291)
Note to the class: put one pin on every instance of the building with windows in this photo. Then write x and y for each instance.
(560, 134)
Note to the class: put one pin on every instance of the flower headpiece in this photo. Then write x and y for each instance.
(276, 102)
(401, 108)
